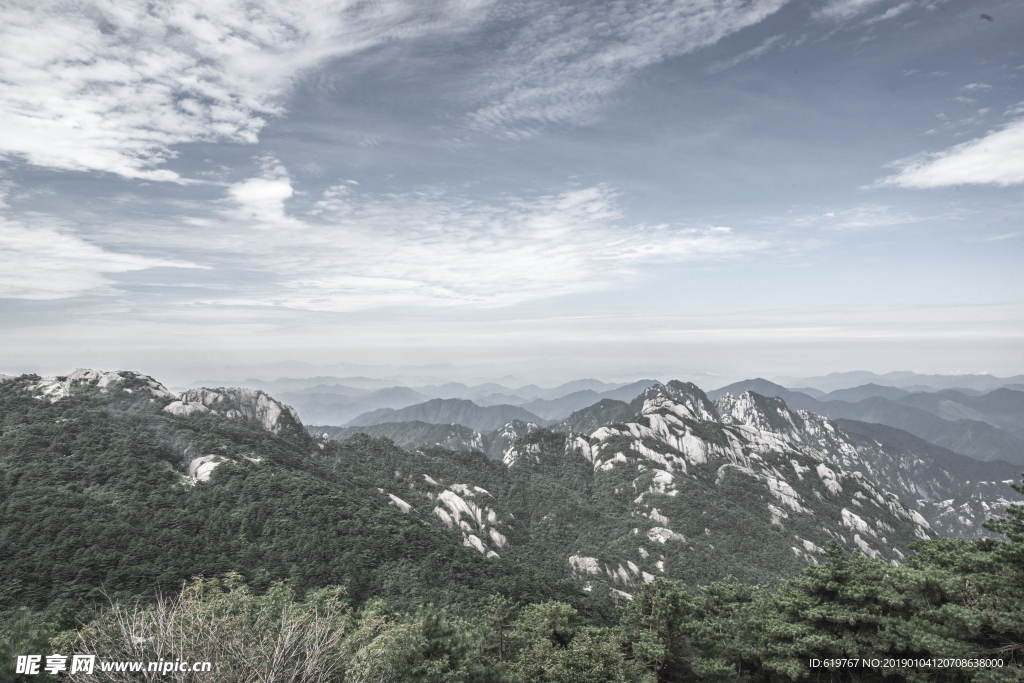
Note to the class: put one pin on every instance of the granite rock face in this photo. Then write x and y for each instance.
(240, 403)
(56, 388)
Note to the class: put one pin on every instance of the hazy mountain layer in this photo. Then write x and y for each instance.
(338, 408)
(558, 409)
(592, 418)
(973, 438)
(862, 392)
(449, 411)
(953, 492)
(1002, 408)
(845, 380)
(412, 435)
(409, 435)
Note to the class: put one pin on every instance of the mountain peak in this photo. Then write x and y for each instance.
(238, 402)
(684, 399)
(56, 388)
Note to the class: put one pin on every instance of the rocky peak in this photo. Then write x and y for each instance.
(500, 441)
(56, 388)
(765, 413)
(237, 402)
(684, 399)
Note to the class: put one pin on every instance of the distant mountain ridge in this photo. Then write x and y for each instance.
(329, 401)
(415, 434)
(846, 380)
(974, 438)
(451, 411)
(409, 435)
(560, 408)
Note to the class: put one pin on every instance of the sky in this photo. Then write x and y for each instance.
(470, 189)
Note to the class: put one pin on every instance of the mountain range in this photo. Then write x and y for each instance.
(919, 382)
(113, 488)
(953, 492)
(937, 418)
(330, 401)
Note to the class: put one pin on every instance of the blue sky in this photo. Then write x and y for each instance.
(709, 189)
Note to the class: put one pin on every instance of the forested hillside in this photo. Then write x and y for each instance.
(694, 541)
(96, 496)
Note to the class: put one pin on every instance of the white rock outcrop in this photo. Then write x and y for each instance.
(399, 503)
(200, 469)
(237, 402)
(663, 535)
(56, 388)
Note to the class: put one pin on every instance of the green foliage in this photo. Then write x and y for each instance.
(95, 502)
(553, 645)
(96, 509)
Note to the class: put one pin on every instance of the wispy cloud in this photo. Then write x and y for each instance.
(995, 159)
(840, 10)
(354, 250)
(570, 57)
(766, 45)
(864, 216)
(47, 263)
(890, 13)
(114, 86)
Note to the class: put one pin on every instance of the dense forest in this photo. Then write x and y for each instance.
(292, 564)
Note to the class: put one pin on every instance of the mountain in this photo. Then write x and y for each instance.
(541, 566)
(141, 489)
(554, 409)
(681, 488)
(339, 389)
(862, 392)
(560, 408)
(973, 438)
(337, 408)
(410, 435)
(1002, 408)
(289, 384)
(953, 492)
(112, 487)
(449, 411)
(238, 402)
(845, 380)
(590, 419)
(498, 443)
(580, 385)
(813, 393)
(794, 399)
(413, 435)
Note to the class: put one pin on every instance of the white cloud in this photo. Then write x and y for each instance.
(113, 86)
(569, 58)
(859, 217)
(356, 251)
(844, 9)
(995, 159)
(262, 199)
(890, 13)
(766, 45)
(46, 263)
